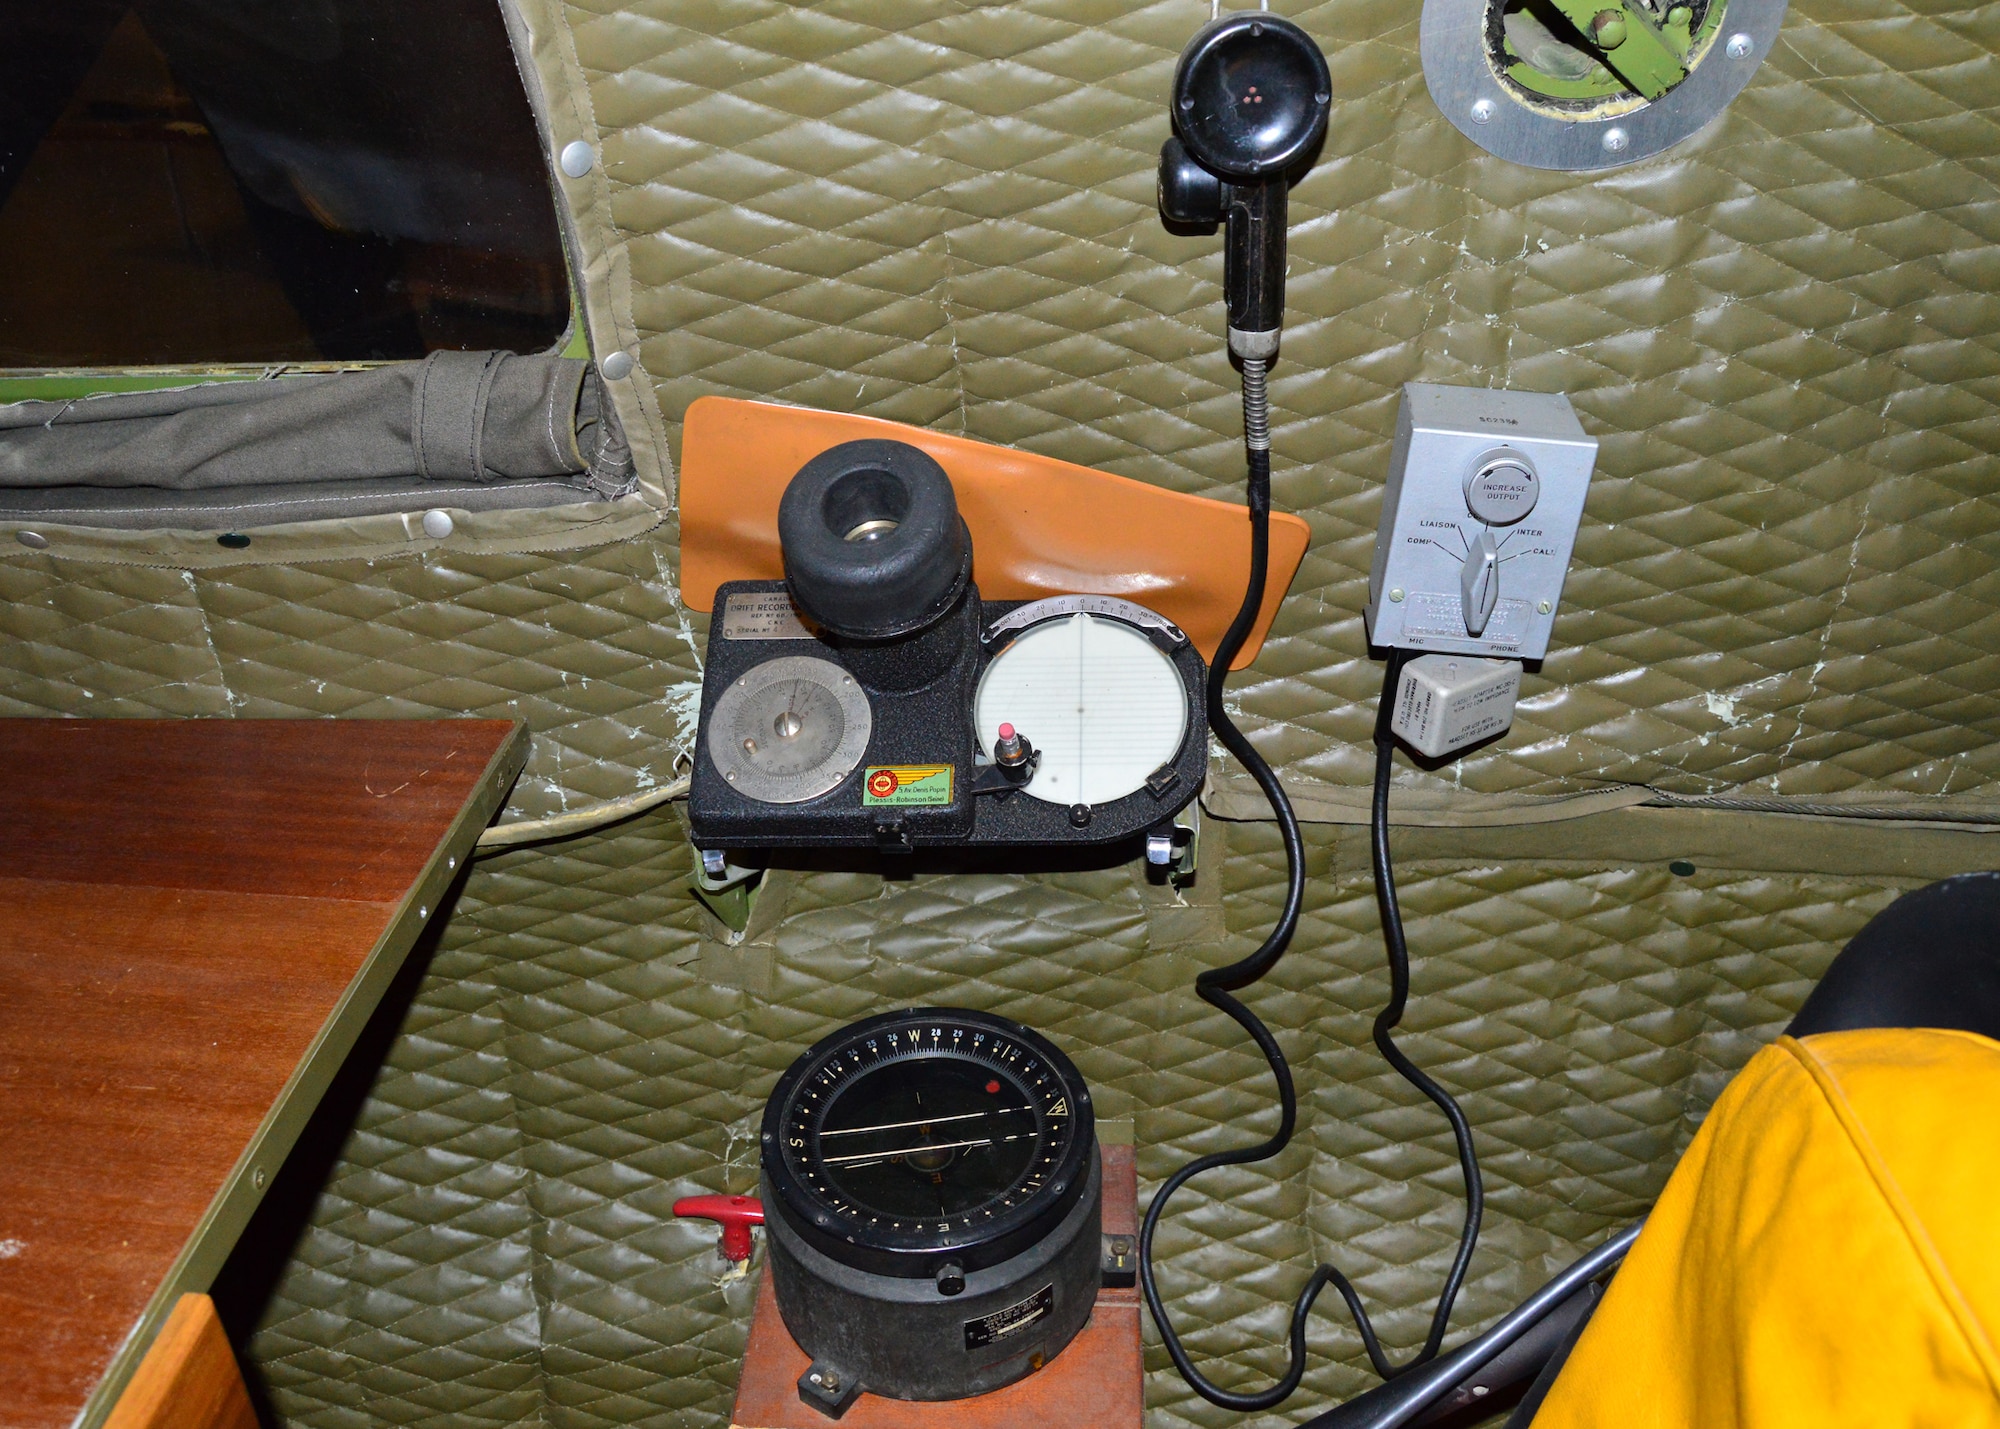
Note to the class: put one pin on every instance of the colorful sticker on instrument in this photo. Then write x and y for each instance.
(905, 784)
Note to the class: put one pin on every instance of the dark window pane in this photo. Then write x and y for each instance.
(188, 181)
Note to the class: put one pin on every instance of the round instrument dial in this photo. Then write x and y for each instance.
(789, 730)
(1103, 704)
(926, 1133)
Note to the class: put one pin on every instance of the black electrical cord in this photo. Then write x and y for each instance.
(1217, 986)
(1385, 1023)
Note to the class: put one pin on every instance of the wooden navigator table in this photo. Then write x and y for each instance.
(199, 917)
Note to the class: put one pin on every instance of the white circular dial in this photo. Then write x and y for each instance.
(1103, 704)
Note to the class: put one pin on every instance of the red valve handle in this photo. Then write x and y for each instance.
(735, 1214)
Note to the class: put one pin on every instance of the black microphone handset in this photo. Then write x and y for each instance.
(1250, 103)
(1251, 98)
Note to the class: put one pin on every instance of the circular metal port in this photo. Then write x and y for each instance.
(1590, 84)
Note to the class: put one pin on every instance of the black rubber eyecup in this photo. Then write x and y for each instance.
(873, 544)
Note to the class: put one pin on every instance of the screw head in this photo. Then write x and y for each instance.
(1615, 140)
(1396, 596)
(1739, 46)
(1483, 111)
(1543, 607)
(258, 1178)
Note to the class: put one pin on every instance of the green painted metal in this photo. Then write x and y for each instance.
(1632, 43)
(1597, 82)
(732, 902)
(27, 386)
(1575, 64)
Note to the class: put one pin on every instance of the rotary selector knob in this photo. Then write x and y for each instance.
(1502, 488)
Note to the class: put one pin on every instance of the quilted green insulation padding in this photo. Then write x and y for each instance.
(1786, 333)
(495, 1244)
(591, 648)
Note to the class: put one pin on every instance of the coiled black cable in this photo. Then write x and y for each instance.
(1217, 986)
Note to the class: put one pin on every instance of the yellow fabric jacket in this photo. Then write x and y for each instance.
(1826, 1254)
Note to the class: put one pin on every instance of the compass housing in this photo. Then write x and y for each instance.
(932, 1202)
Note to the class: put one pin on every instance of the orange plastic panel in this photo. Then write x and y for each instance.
(1039, 526)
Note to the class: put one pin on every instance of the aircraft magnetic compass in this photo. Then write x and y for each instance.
(932, 1201)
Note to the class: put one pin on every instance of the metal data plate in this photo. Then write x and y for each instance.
(762, 615)
(789, 730)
